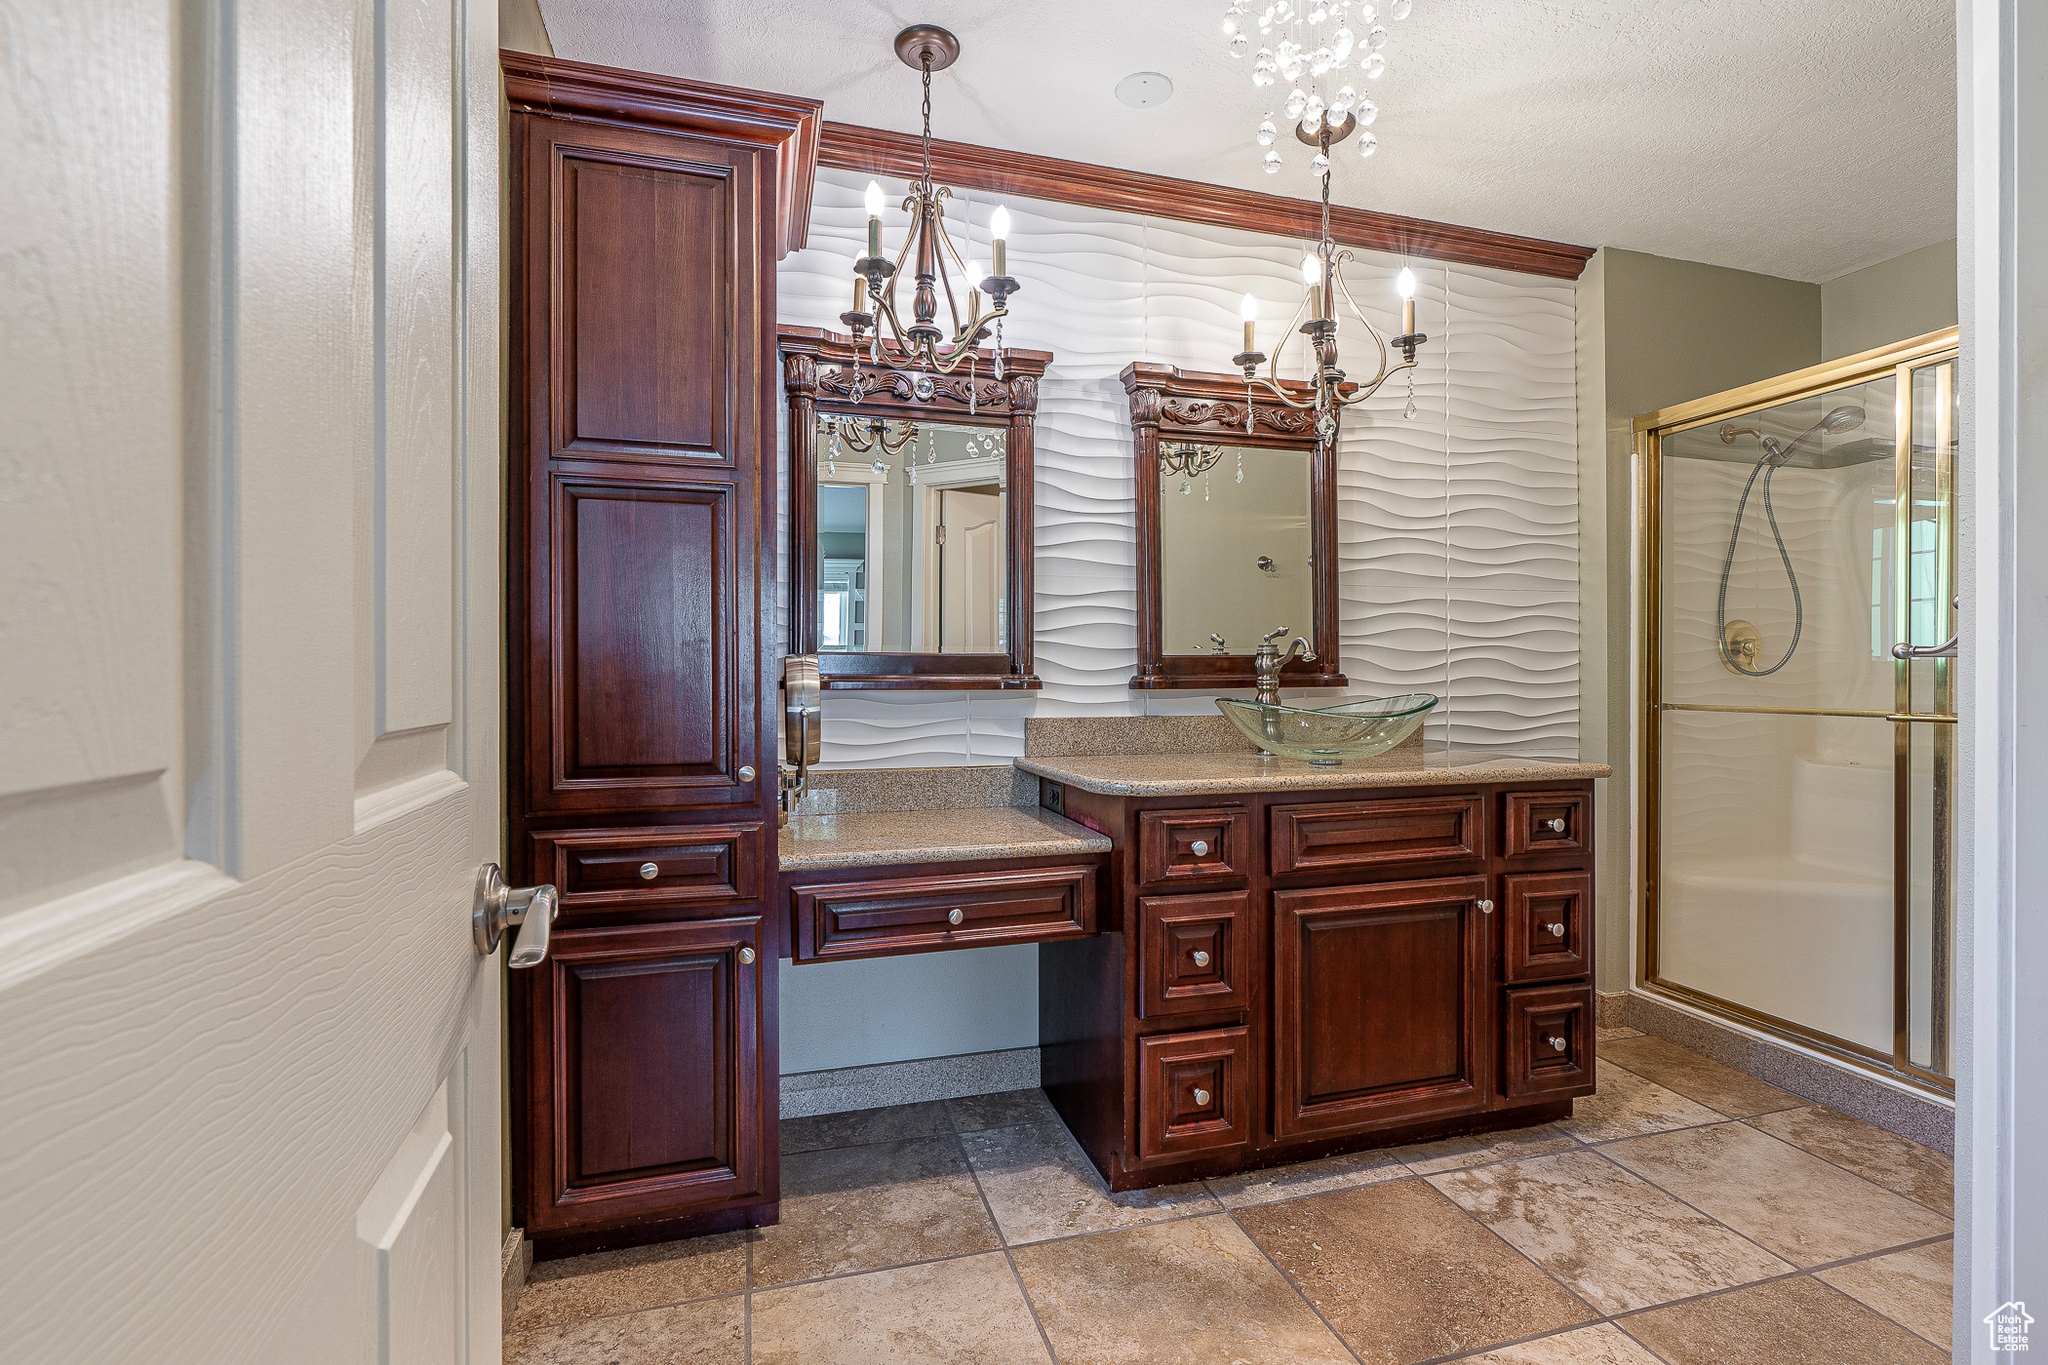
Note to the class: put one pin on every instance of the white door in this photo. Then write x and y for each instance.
(972, 571)
(249, 682)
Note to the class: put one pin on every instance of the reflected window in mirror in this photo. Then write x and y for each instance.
(910, 516)
(1236, 554)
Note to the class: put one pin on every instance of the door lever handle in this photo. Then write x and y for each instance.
(1941, 651)
(498, 906)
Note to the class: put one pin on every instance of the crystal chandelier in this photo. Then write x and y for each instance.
(1317, 43)
(928, 48)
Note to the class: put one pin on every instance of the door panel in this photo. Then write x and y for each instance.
(1378, 1005)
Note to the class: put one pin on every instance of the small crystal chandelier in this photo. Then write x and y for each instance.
(928, 48)
(1331, 391)
(1318, 41)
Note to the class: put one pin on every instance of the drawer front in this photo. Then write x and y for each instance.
(1196, 954)
(1178, 846)
(924, 914)
(1546, 822)
(671, 869)
(1548, 1047)
(1193, 1093)
(1331, 838)
(1544, 921)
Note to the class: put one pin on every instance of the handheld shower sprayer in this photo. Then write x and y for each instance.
(1739, 651)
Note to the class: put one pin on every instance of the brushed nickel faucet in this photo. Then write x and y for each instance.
(1269, 661)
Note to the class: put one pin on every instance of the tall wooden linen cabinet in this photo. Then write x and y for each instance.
(647, 216)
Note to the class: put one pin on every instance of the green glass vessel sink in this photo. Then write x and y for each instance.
(1329, 734)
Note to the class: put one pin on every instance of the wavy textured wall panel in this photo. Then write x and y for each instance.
(1457, 530)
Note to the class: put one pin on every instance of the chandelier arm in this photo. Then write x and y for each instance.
(1287, 335)
(1279, 394)
(1359, 313)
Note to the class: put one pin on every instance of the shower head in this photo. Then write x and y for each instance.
(1848, 417)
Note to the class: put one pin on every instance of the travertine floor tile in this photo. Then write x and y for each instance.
(1798, 1321)
(1305, 1178)
(867, 1208)
(1718, 1087)
(961, 1312)
(1396, 1269)
(1626, 1105)
(1616, 1241)
(1900, 1164)
(1450, 1154)
(1601, 1344)
(1788, 1201)
(1915, 1288)
(891, 1123)
(637, 1277)
(1194, 1292)
(712, 1332)
(1040, 1185)
(1004, 1110)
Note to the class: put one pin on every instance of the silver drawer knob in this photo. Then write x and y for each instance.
(1201, 1095)
(954, 916)
(1556, 1044)
(1200, 848)
(747, 775)
(649, 871)
(747, 956)
(1556, 928)
(1201, 958)
(1486, 907)
(1555, 826)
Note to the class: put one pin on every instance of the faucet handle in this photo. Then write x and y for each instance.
(1220, 647)
(1273, 635)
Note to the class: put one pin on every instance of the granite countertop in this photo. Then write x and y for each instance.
(1198, 774)
(876, 838)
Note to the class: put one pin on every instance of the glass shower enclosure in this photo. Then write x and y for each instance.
(1798, 719)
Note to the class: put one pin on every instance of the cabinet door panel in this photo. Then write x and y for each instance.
(1380, 993)
(644, 1093)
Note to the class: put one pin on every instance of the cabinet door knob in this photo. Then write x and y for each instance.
(1201, 1095)
(746, 773)
(1555, 826)
(1556, 1043)
(1486, 907)
(747, 956)
(1200, 848)
(1201, 958)
(1556, 927)
(649, 871)
(954, 916)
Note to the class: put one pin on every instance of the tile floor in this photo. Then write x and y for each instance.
(1686, 1214)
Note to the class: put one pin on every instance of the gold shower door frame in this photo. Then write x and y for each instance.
(1937, 720)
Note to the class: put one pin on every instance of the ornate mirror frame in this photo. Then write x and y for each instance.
(1174, 405)
(828, 371)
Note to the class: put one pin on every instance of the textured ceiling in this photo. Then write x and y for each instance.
(1800, 138)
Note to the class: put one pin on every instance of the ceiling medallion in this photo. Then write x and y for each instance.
(1318, 41)
(924, 342)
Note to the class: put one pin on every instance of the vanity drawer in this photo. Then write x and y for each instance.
(1545, 822)
(1177, 846)
(1195, 953)
(671, 870)
(1193, 1092)
(1544, 917)
(1420, 829)
(883, 916)
(1548, 1045)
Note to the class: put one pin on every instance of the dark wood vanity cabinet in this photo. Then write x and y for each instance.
(1283, 975)
(646, 217)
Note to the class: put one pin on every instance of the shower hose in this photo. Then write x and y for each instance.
(1766, 468)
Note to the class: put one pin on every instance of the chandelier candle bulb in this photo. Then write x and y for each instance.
(999, 230)
(1248, 313)
(1404, 284)
(874, 218)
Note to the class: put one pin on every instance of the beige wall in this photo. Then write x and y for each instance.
(521, 28)
(1907, 296)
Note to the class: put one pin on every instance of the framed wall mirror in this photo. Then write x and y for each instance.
(910, 503)
(1237, 531)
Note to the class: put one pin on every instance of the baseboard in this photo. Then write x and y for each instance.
(1610, 1009)
(514, 1266)
(1842, 1088)
(926, 1078)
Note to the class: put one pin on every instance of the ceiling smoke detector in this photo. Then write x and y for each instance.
(1143, 89)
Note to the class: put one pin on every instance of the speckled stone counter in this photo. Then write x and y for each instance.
(1204, 774)
(878, 838)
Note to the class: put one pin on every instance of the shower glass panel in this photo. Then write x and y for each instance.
(1797, 793)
